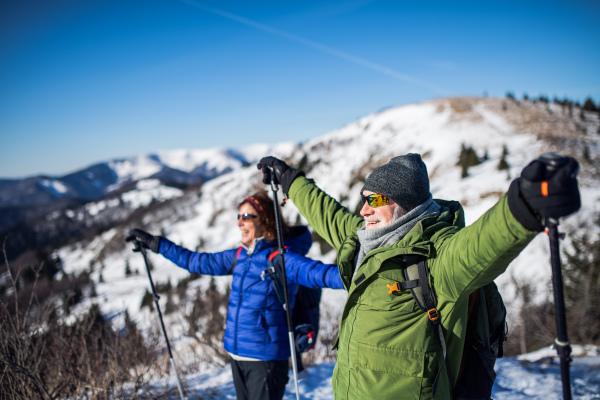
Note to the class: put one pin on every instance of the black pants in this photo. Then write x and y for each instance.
(259, 380)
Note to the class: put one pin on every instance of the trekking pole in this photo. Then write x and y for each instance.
(288, 312)
(561, 343)
(138, 247)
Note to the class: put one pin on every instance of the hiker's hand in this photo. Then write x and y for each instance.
(147, 240)
(266, 164)
(283, 174)
(548, 189)
(549, 186)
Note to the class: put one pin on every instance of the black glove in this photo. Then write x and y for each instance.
(547, 188)
(284, 175)
(146, 239)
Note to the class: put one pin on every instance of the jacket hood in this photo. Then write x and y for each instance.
(298, 239)
(451, 213)
(451, 218)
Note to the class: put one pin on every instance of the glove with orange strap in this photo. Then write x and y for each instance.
(546, 189)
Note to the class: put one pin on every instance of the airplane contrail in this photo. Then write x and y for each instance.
(318, 46)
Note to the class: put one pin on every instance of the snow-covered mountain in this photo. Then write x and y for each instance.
(340, 161)
(505, 134)
(175, 167)
(31, 208)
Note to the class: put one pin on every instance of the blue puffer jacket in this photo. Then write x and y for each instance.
(256, 321)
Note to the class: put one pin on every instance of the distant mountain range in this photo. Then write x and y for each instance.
(177, 168)
(25, 203)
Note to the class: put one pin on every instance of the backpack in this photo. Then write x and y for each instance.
(484, 336)
(305, 315)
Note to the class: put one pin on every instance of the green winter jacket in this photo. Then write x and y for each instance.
(386, 347)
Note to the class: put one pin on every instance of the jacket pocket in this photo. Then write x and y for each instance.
(264, 326)
(388, 372)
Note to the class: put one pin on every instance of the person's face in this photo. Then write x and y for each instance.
(378, 217)
(251, 228)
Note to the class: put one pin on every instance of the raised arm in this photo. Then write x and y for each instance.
(195, 262)
(200, 263)
(332, 221)
(477, 254)
(546, 191)
(312, 273)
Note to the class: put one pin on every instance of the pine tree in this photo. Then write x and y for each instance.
(503, 165)
(467, 158)
(170, 306)
(147, 300)
(570, 109)
(127, 268)
(589, 105)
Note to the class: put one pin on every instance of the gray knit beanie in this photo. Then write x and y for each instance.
(403, 179)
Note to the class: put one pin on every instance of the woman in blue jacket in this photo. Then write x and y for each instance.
(256, 333)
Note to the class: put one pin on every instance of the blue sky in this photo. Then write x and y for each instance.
(87, 81)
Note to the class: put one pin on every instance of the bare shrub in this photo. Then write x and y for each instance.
(206, 320)
(43, 357)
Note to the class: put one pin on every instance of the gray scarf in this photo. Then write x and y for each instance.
(372, 239)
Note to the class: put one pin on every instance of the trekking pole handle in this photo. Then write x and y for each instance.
(275, 189)
(552, 160)
(137, 246)
(274, 185)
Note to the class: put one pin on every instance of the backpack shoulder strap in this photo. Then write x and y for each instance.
(473, 309)
(273, 255)
(235, 260)
(274, 270)
(416, 274)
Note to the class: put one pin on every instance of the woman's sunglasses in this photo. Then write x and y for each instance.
(246, 216)
(375, 200)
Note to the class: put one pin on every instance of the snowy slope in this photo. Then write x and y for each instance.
(339, 162)
(516, 380)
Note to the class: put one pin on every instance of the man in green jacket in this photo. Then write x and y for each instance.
(386, 347)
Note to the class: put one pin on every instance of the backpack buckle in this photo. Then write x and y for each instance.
(393, 288)
(433, 314)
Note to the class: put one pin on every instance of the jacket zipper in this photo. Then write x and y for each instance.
(237, 314)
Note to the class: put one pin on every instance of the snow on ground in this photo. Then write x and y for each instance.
(517, 379)
(149, 190)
